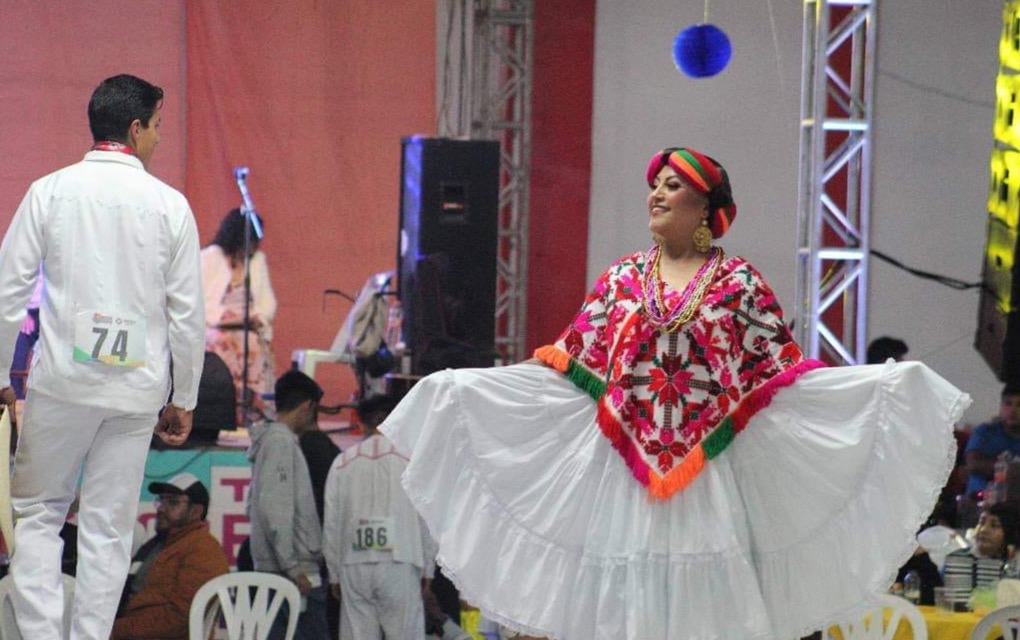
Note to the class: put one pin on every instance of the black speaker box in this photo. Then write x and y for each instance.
(449, 208)
(217, 402)
(998, 330)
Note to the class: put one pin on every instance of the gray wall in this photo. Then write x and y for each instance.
(932, 139)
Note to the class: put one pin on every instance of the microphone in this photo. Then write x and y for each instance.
(247, 207)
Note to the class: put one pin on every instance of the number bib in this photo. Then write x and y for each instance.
(373, 534)
(109, 339)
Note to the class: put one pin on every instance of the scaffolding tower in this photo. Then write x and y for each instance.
(837, 95)
(487, 95)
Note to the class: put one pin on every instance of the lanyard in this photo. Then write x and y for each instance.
(109, 145)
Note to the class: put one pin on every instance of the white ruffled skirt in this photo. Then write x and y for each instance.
(808, 512)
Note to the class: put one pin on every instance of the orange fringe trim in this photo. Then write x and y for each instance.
(553, 357)
(662, 487)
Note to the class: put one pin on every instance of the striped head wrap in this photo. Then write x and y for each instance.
(706, 176)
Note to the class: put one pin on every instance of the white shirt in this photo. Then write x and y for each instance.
(113, 240)
(363, 498)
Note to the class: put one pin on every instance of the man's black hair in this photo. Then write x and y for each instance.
(119, 101)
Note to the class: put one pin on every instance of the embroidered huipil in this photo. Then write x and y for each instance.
(669, 401)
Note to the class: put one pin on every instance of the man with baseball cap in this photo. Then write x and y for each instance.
(168, 570)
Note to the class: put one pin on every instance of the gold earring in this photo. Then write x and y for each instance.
(702, 237)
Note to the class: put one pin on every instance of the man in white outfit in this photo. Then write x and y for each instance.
(378, 551)
(123, 298)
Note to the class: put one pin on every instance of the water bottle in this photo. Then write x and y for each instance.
(394, 334)
(488, 629)
(1002, 466)
(1011, 569)
(912, 587)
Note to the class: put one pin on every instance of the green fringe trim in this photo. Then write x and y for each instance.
(585, 380)
(718, 440)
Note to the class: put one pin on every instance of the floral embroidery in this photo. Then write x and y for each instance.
(670, 381)
(642, 413)
(671, 401)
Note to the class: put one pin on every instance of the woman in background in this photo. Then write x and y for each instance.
(223, 282)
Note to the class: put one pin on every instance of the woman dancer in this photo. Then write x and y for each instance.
(678, 469)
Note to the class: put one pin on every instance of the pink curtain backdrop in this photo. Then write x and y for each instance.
(314, 98)
(52, 55)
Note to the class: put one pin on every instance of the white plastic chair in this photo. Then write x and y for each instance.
(1007, 619)
(248, 602)
(864, 626)
(9, 627)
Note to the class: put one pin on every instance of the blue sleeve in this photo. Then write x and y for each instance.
(983, 441)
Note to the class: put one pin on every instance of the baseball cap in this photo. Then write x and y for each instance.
(182, 484)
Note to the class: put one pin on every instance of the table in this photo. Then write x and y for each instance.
(944, 626)
(941, 625)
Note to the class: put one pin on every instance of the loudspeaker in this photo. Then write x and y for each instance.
(449, 208)
(998, 330)
(217, 402)
(991, 332)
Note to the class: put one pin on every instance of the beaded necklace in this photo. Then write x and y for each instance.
(671, 318)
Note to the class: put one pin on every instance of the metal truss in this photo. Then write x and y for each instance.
(837, 94)
(493, 88)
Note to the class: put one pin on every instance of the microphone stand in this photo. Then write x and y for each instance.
(251, 225)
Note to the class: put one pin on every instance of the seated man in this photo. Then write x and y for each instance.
(168, 570)
(991, 439)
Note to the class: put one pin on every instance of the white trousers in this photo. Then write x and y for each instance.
(61, 441)
(381, 600)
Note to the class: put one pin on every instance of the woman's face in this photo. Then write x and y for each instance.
(675, 209)
(990, 538)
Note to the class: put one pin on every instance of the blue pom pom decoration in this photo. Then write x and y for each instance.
(701, 50)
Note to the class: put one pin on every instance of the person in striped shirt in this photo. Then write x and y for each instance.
(996, 538)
